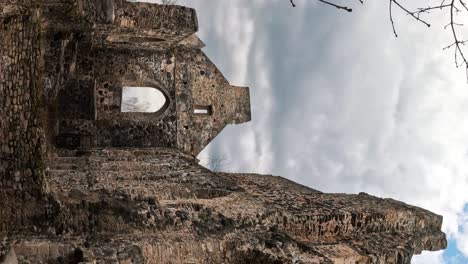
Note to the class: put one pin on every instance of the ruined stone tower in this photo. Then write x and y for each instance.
(84, 180)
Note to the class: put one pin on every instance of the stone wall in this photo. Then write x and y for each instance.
(144, 25)
(21, 141)
(156, 205)
(88, 100)
(87, 66)
(138, 69)
(199, 84)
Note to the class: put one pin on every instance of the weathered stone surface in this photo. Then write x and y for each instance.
(82, 182)
(156, 205)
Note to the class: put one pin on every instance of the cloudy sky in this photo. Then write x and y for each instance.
(142, 99)
(341, 105)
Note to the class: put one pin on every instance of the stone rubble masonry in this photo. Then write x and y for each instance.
(82, 182)
(21, 133)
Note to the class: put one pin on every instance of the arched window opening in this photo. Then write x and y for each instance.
(142, 99)
(203, 110)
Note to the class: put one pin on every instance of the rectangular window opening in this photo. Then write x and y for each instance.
(202, 110)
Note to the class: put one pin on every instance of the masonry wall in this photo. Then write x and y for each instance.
(113, 70)
(144, 25)
(169, 209)
(21, 134)
(86, 93)
(199, 84)
(108, 45)
(112, 44)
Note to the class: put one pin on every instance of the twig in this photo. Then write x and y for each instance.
(455, 6)
(391, 18)
(426, 9)
(457, 42)
(410, 13)
(464, 5)
(337, 6)
(331, 4)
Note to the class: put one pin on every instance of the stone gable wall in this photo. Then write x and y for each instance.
(200, 84)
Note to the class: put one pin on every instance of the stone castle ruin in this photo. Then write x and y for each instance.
(134, 45)
(86, 178)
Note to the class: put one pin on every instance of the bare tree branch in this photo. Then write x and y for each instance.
(410, 13)
(331, 4)
(337, 6)
(464, 5)
(218, 164)
(429, 8)
(455, 7)
(391, 18)
(457, 42)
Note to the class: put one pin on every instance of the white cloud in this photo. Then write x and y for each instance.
(430, 258)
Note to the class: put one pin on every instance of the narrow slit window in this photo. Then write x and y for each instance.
(202, 110)
(142, 99)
